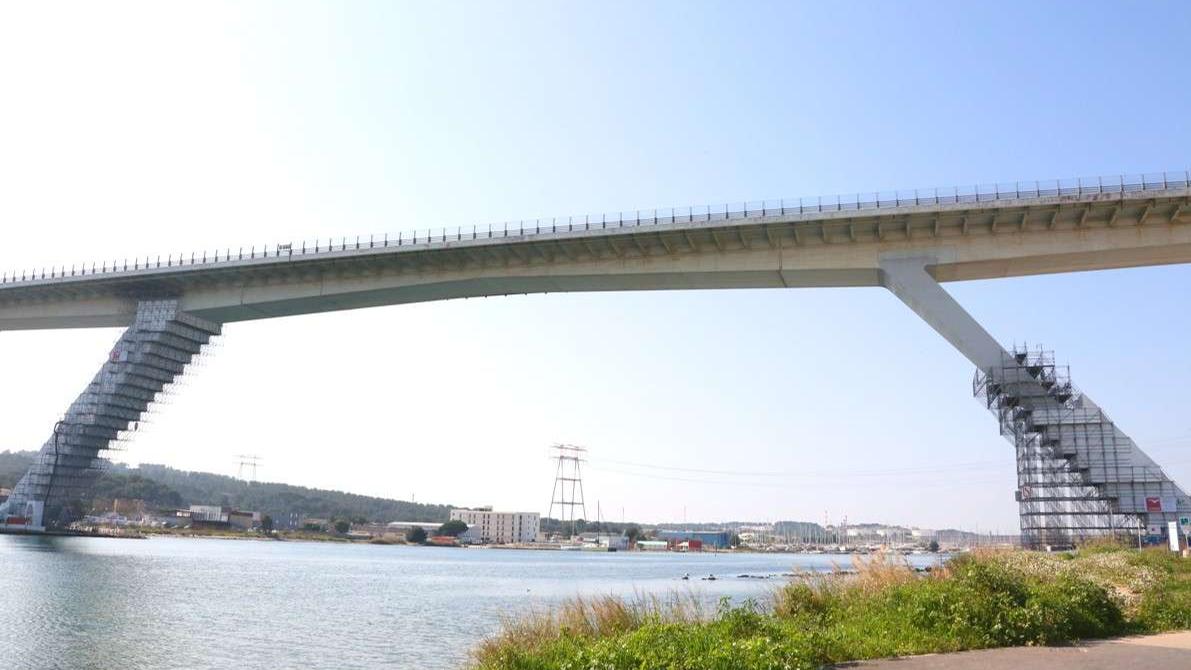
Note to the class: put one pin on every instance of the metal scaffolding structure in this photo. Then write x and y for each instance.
(142, 368)
(1078, 475)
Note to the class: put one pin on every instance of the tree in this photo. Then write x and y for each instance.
(633, 532)
(342, 526)
(933, 547)
(454, 528)
(416, 535)
(267, 523)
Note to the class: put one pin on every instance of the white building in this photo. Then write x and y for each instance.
(209, 513)
(484, 525)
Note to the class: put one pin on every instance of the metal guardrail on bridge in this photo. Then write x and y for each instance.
(873, 200)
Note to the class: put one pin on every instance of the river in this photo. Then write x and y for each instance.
(83, 603)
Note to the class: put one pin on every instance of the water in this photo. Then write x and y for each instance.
(84, 603)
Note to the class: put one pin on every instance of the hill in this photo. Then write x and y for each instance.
(164, 487)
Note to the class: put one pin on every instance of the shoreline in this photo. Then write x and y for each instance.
(283, 536)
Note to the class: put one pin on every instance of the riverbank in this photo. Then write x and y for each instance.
(977, 601)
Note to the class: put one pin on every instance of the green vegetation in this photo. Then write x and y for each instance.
(163, 487)
(988, 599)
(156, 495)
(283, 502)
(633, 532)
(13, 465)
(415, 535)
(453, 528)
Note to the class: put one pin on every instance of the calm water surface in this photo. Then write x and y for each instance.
(199, 603)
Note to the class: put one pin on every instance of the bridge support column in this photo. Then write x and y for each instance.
(1078, 475)
(151, 354)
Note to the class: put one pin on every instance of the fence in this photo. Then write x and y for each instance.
(874, 200)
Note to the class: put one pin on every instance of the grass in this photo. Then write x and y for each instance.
(979, 600)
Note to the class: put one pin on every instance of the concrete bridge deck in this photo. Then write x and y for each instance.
(972, 234)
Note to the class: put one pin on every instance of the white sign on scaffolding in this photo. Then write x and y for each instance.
(1172, 529)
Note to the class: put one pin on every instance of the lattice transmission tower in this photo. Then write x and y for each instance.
(249, 462)
(568, 485)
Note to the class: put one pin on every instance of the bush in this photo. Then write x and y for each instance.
(1168, 608)
(1071, 608)
(885, 609)
(453, 528)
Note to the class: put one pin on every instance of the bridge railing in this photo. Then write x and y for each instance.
(872, 200)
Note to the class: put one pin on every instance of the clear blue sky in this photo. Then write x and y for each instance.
(136, 128)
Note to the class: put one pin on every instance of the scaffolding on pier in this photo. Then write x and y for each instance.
(1078, 475)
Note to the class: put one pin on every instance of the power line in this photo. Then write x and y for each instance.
(773, 484)
(931, 469)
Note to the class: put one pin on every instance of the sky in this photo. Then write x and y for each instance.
(143, 128)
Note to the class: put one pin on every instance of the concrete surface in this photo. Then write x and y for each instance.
(1169, 651)
(766, 249)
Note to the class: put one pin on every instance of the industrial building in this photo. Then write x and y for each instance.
(487, 526)
(710, 539)
(221, 516)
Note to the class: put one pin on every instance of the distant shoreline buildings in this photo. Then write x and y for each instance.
(489, 527)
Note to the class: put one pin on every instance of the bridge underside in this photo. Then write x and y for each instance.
(1079, 476)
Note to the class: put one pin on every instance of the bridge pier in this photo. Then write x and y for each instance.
(151, 354)
(1078, 475)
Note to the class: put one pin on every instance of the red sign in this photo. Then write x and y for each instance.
(1153, 504)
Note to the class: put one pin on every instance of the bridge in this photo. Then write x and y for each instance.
(1079, 475)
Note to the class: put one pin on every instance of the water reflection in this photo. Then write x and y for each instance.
(77, 606)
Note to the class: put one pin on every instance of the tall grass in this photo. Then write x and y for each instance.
(585, 619)
(880, 608)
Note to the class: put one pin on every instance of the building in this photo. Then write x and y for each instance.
(400, 528)
(923, 534)
(244, 520)
(212, 514)
(711, 539)
(219, 516)
(133, 508)
(485, 525)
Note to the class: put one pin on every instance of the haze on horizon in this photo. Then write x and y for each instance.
(144, 128)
